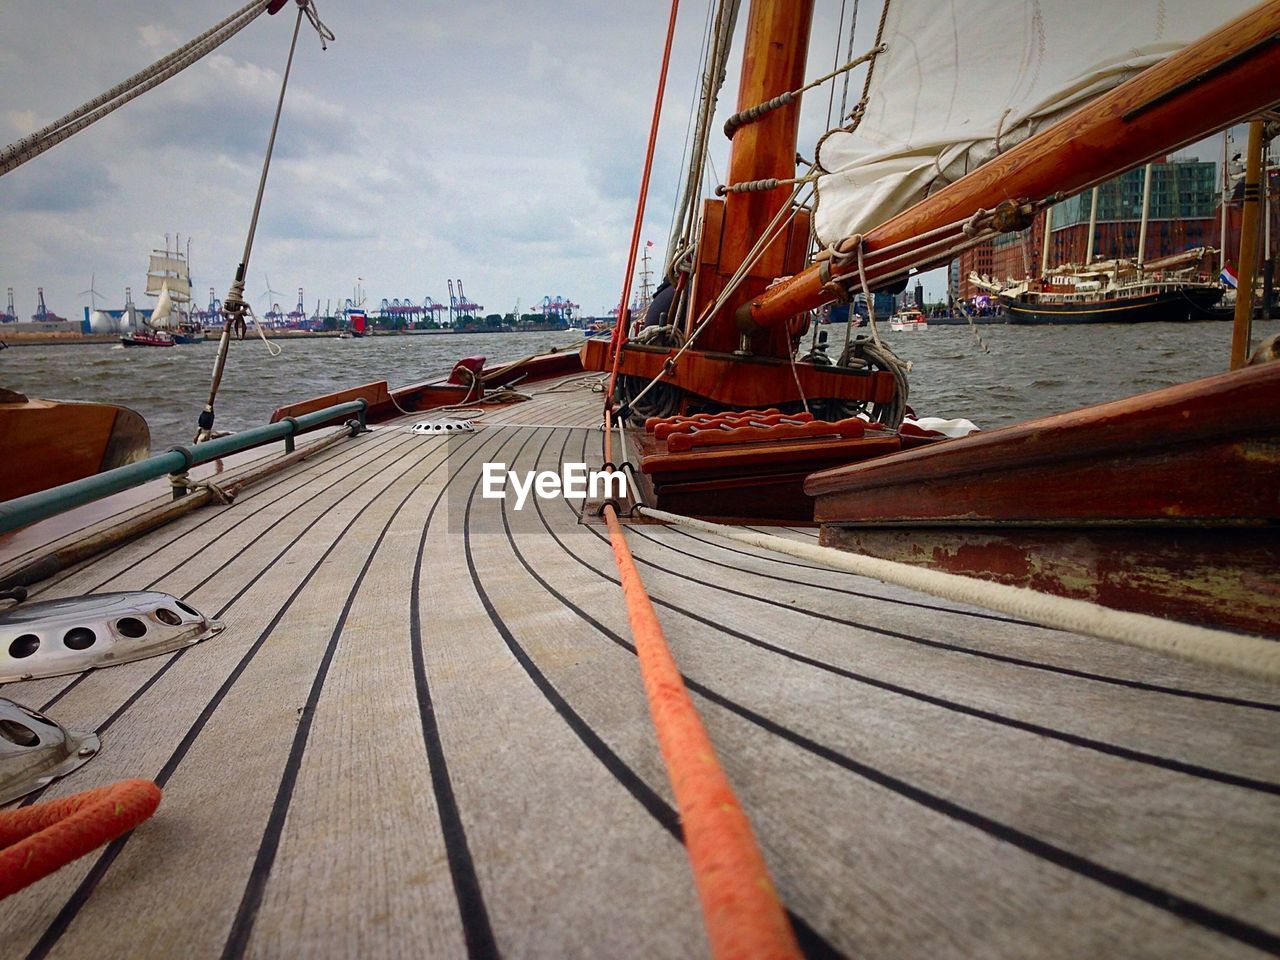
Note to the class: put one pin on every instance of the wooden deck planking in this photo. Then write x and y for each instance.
(567, 861)
(198, 554)
(903, 803)
(980, 743)
(155, 725)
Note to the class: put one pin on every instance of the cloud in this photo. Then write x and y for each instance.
(496, 141)
(60, 181)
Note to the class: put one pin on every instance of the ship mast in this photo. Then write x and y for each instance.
(773, 62)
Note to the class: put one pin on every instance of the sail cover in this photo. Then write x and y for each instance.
(964, 80)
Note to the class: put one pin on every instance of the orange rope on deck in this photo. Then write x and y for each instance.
(37, 840)
(740, 906)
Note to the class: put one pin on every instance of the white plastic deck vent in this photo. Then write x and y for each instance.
(444, 426)
(35, 750)
(53, 637)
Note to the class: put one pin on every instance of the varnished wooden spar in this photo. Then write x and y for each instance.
(773, 63)
(1187, 527)
(1226, 76)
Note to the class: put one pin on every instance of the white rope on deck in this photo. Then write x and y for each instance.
(1250, 655)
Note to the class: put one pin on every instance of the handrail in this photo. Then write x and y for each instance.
(176, 461)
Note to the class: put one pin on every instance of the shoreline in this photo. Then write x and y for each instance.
(34, 339)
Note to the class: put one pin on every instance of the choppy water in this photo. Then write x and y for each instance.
(1024, 372)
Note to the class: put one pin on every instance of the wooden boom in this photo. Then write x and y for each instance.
(1224, 77)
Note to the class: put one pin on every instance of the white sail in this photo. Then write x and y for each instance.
(167, 263)
(162, 310)
(179, 287)
(964, 80)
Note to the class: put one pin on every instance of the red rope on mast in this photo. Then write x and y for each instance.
(619, 335)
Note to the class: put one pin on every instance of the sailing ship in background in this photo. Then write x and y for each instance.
(929, 778)
(1170, 289)
(170, 321)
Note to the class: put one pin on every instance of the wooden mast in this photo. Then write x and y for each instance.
(1225, 75)
(773, 63)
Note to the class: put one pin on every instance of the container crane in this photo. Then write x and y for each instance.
(9, 316)
(211, 314)
(298, 315)
(558, 308)
(43, 314)
(469, 309)
(432, 309)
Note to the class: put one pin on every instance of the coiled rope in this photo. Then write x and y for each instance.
(1249, 655)
(35, 841)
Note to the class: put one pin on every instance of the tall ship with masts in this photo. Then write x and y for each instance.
(800, 675)
(170, 321)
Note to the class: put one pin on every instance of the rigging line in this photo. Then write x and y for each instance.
(766, 239)
(752, 114)
(844, 93)
(20, 152)
(860, 108)
(619, 334)
(812, 943)
(234, 306)
(835, 60)
(695, 116)
(712, 82)
(743, 914)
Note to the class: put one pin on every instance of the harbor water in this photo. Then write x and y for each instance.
(1003, 375)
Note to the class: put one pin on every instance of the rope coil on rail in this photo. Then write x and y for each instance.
(35, 841)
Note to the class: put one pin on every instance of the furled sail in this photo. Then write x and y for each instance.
(963, 80)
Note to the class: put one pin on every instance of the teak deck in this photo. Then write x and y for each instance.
(423, 734)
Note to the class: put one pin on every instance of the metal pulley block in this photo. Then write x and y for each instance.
(35, 750)
(53, 637)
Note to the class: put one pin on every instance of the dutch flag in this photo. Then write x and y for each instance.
(1228, 276)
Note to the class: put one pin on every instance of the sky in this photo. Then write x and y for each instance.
(496, 142)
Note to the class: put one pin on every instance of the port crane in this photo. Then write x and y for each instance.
(43, 313)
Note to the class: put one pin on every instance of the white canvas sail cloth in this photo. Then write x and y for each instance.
(960, 75)
(163, 308)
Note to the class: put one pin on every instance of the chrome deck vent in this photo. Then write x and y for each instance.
(35, 750)
(444, 426)
(54, 637)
